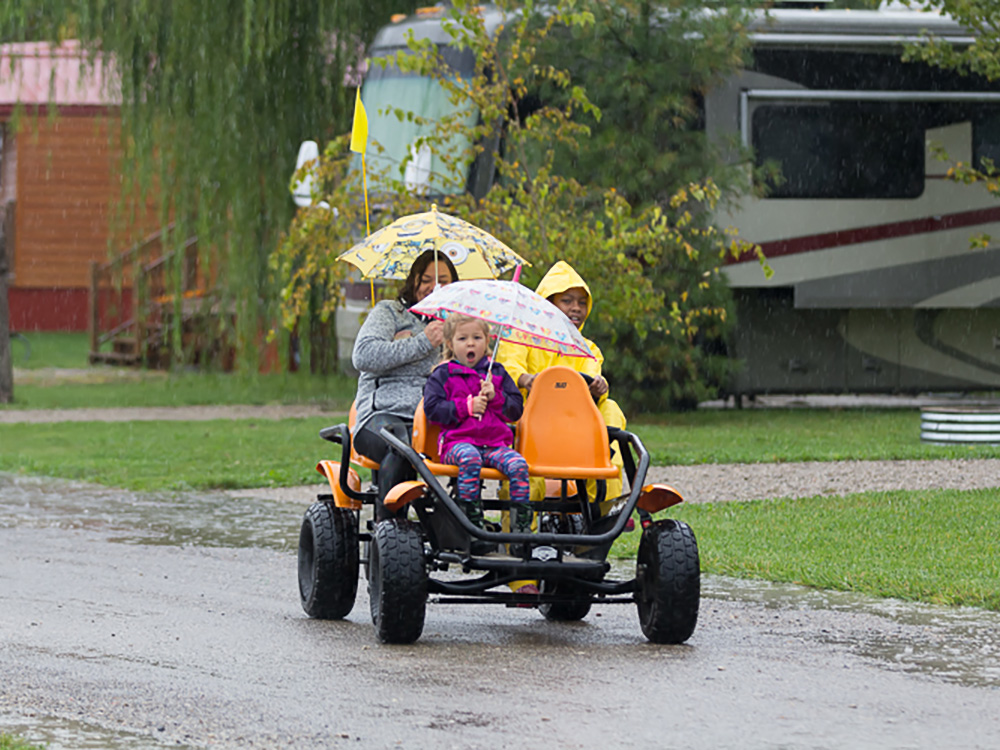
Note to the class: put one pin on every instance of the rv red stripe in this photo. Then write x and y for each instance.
(841, 237)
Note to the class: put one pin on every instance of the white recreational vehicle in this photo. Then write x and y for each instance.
(875, 285)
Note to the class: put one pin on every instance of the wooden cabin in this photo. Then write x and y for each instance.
(58, 182)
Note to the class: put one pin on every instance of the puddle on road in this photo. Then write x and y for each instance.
(954, 644)
(205, 519)
(61, 734)
(960, 645)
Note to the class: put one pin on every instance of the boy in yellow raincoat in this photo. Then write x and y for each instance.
(567, 290)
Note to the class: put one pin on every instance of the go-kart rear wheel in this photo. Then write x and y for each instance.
(328, 561)
(668, 582)
(567, 611)
(397, 582)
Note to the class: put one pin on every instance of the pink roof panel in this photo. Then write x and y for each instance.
(41, 73)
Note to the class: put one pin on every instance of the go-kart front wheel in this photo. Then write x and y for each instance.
(328, 561)
(397, 581)
(668, 582)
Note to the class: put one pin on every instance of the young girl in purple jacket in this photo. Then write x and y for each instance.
(473, 403)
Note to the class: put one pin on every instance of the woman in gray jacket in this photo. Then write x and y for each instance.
(394, 353)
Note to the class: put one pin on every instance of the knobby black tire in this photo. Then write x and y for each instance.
(328, 561)
(397, 584)
(569, 611)
(669, 582)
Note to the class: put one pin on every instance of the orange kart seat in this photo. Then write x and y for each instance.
(425, 442)
(561, 433)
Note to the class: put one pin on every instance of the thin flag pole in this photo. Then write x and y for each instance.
(364, 182)
(434, 209)
(368, 228)
(359, 144)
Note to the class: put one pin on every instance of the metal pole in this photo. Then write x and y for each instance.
(6, 360)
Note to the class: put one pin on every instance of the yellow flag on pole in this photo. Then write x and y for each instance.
(359, 143)
(359, 133)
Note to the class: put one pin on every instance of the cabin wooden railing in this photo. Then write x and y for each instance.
(128, 296)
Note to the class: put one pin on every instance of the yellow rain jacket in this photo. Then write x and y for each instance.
(519, 360)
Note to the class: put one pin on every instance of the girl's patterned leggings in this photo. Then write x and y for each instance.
(470, 459)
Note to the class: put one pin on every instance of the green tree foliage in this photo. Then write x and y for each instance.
(982, 17)
(653, 267)
(216, 96)
(649, 65)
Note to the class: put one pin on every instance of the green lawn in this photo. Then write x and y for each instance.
(43, 383)
(252, 453)
(782, 435)
(121, 387)
(171, 455)
(36, 350)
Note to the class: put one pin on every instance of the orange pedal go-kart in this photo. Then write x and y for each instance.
(421, 550)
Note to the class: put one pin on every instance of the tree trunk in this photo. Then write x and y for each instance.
(6, 360)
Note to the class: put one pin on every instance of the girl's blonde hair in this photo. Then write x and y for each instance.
(451, 324)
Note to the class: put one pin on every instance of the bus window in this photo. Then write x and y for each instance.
(389, 87)
(841, 149)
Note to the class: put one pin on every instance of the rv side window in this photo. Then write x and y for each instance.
(841, 149)
(986, 137)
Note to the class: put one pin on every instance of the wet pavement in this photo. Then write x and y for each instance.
(145, 621)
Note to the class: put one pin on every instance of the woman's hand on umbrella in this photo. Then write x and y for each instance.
(434, 331)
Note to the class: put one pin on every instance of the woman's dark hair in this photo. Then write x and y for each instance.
(408, 295)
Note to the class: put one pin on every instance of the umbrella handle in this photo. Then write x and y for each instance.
(493, 358)
(517, 273)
